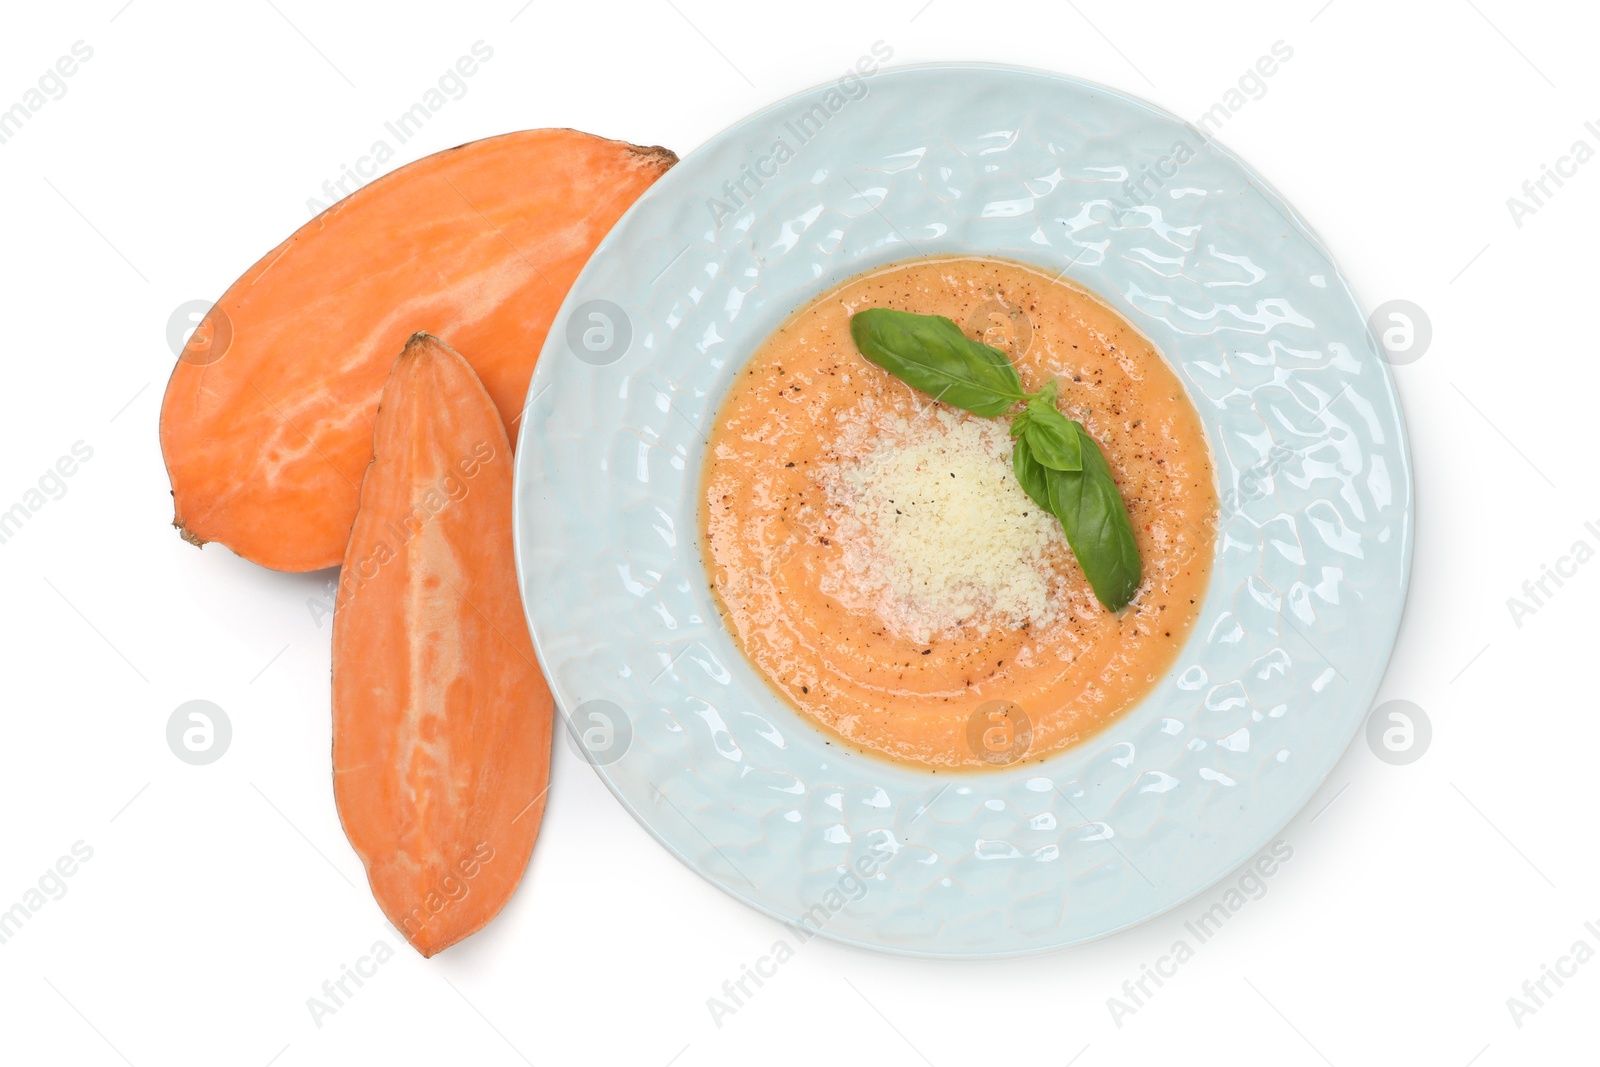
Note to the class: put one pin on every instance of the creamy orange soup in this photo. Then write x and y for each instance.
(854, 604)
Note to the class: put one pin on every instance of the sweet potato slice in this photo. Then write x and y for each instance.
(267, 422)
(441, 718)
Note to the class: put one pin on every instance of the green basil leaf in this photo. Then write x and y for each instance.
(930, 353)
(1052, 436)
(1031, 475)
(1096, 523)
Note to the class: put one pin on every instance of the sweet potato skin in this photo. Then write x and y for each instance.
(266, 426)
(441, 718)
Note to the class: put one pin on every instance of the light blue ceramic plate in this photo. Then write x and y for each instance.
(1198, 253)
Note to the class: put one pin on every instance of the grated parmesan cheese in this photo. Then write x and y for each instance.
(936, 532)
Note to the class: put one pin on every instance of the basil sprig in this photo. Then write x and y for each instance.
(1057, 462)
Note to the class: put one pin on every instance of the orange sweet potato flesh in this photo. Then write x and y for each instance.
(441, 718)
(267, 422)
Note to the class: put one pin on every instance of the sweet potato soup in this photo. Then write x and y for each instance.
(877, 560)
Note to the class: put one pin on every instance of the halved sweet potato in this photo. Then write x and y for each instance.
(441, 718)
(267, 422)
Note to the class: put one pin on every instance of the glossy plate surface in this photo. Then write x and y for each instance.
(1313, 550)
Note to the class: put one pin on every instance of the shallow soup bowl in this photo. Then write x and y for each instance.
(1312, 547)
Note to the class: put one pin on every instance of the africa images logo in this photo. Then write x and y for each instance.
(738, 192)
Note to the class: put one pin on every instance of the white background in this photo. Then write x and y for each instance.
(219, 898)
